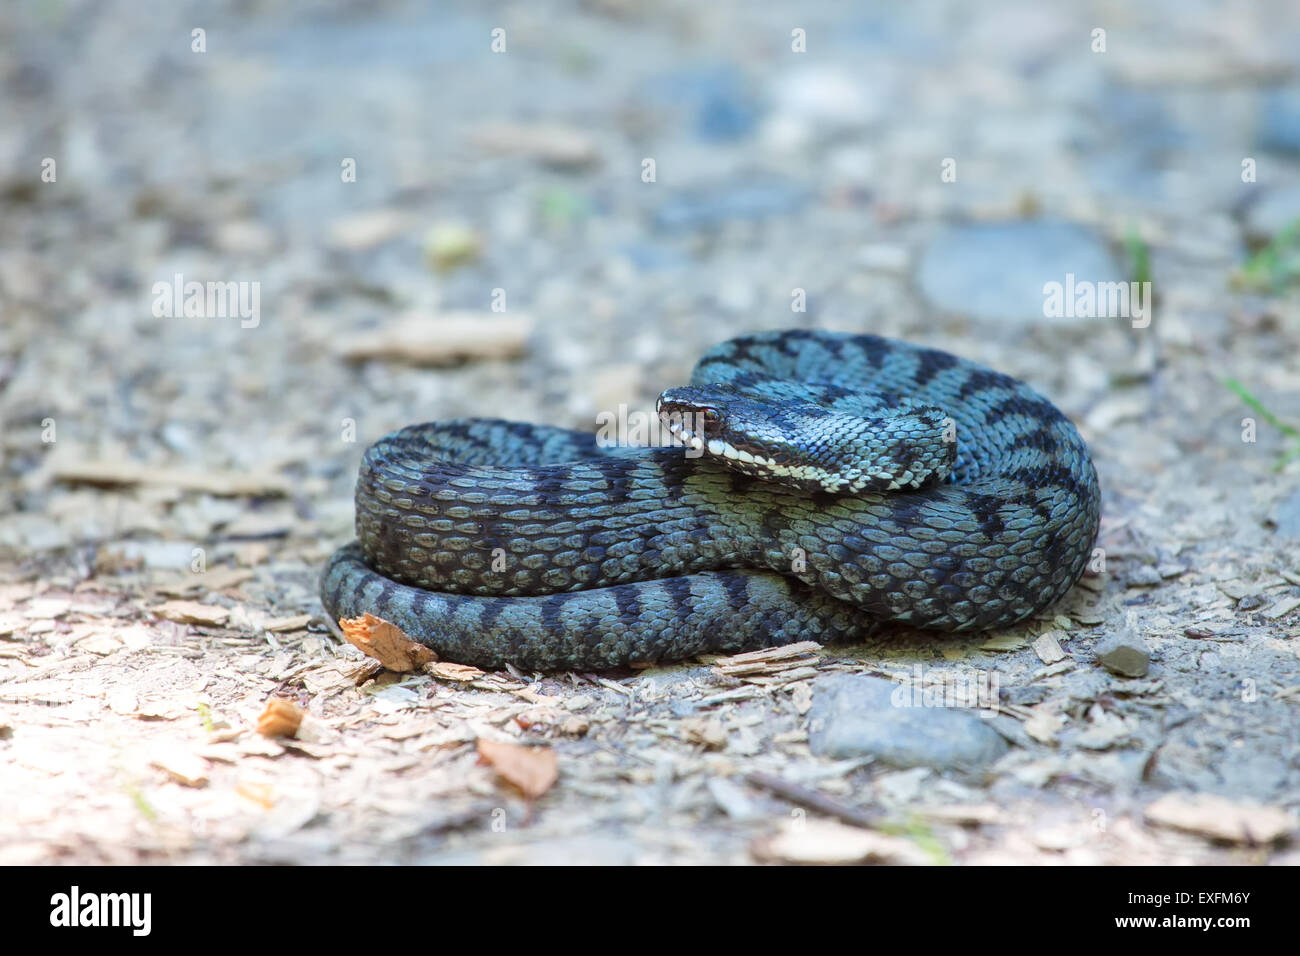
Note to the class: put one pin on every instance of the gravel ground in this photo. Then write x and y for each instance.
(421, 227)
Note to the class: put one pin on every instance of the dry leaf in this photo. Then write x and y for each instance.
(386, 643)
(280, 719)
(531, 770)
(191, 612)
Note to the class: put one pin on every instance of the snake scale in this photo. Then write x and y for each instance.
(823, 483)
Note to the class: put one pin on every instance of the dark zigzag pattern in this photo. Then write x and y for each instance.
(621, 556)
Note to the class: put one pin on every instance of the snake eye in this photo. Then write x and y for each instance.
(711, 416)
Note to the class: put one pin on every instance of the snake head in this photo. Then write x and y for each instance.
(805, 445)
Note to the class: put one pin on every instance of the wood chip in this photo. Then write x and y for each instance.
(1219, 818)
(748, 692)
(821, 842)
(443, 339)
(215, 579)
(1235, 589)
(1282, 608)
(566, 147)
(191, 612)
(368, 229)
(220, 579)
(1048, 647)
(1089, 614)
(707, 731)
(1052, 670)
(787, 672)
(386, 643)
(1043, 725)
(263, 794)
(234, 484)
(280, 719)
(336, 676)
(1004, 642)
(101, 644)
(446, 670)
(282, 624)
(767, 661)
(574, 726)
(183, 766)
(530, 770)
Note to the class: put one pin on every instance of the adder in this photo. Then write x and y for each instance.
(821, 484)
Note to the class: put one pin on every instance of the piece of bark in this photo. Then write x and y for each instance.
(530, 770)
(191, 612)
(280, 719)
(386, 643)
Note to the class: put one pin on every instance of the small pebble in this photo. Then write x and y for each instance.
(1125, 654)
(1144, 576)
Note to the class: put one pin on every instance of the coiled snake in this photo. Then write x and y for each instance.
(828, 483)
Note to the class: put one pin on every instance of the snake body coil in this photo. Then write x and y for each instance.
(829, 482)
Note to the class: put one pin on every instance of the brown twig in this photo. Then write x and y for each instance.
(813, 800)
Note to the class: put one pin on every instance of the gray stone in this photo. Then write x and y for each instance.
(997, 271)
(1144, 576)
(859, 716)
(1124, 653)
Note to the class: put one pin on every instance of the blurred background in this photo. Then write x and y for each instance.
(543, 210)
(917, 171)
(878, 171)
